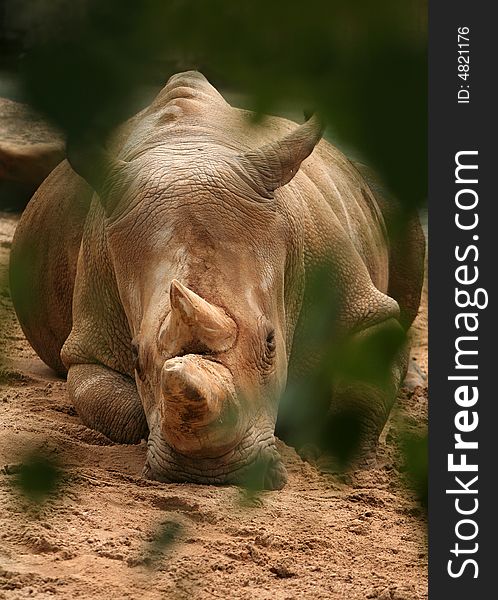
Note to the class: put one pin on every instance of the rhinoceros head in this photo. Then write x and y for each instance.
(208, 265)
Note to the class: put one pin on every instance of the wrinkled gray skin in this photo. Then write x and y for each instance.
(169, 280)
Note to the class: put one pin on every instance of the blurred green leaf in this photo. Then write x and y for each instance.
(414, 448)
(252, 483)
(163, 540)
(368, 358)
(343, 437)
(166, 535)
(38, 477)
(254, 476)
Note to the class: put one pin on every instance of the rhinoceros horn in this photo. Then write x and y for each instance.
(194, 325)
(273, 165)
(200, 408)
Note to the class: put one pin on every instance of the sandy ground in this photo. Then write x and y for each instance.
(350, 537)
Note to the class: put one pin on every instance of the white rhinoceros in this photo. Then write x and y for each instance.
(169, 279)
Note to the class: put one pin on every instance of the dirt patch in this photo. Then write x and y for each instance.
(350, 537)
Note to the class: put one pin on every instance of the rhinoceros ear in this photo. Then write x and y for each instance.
(91, 161)
(275, 164)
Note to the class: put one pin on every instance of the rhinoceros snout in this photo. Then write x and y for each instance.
(200, 411)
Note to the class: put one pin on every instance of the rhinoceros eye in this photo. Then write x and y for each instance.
(271, 343)
(267, 363)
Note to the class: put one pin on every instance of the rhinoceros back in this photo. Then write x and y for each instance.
(43, 261)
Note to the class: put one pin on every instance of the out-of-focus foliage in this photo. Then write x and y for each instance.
(350, 365)
(163, 540)
(362, 65)
(253, 483)
(37, 478)
(414, 449)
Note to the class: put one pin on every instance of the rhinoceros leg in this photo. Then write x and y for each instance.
(43, 261)
(107, 401)
(345, 422)
(363, 407)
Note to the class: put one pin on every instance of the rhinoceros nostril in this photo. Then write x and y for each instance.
(190, 388)
(180, 383)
